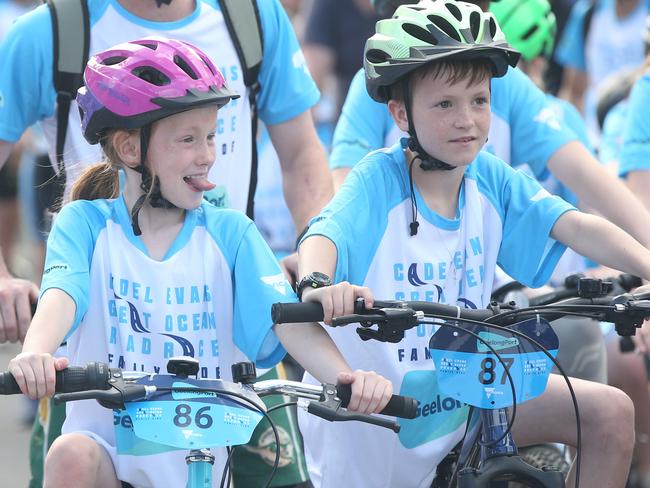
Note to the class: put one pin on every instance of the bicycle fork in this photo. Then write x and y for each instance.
(500, 461)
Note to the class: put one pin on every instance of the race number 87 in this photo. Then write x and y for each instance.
(487, 374)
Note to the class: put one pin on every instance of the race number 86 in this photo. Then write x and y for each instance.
(183, 417)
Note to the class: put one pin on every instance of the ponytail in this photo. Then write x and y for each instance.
(98, 181)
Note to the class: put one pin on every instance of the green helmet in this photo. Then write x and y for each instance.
(431, 30)
(529, 25)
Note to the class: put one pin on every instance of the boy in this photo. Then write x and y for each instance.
(429, 219)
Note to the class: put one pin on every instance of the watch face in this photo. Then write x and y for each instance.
(321, 278)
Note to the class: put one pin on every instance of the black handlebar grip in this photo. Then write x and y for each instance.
(626, 344)
(289, 313)
(628, 281)
(93, 376)
(398, 406)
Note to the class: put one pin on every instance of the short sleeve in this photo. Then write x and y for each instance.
(70, 248)
(536, 132)
(26, 91)
(356, 218)
(529, 214)
(258, 283)
(286, 87)
(635, 152)
(361, 128)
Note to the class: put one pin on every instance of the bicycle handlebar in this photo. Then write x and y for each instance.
(392, 318)
(112, 387)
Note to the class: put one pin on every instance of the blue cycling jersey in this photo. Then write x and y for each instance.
(500, 213)
(208, 298)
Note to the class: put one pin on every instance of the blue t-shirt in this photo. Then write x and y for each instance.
(612, 45)
(635, 153)
(209, 298)
(504, 217)
(524, 129)
(27, 94)
(567, 113)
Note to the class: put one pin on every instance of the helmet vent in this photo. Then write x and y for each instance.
(475, 24)
(376, 56)
(444, 25)
(184, 65)
(113, 60)
(455, 11)
(529, 32)
(209, 65)
(493, 27)
(151, 75)
(420, 33)
(153, 47)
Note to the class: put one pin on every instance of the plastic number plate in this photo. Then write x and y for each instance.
(468, 371)
(188, 420)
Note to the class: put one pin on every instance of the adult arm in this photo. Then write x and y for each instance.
(598, 189)
(306, 178)
(15, 294)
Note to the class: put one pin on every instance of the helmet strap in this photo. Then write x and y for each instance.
(150, 186)
(414, 203)
(427, 162)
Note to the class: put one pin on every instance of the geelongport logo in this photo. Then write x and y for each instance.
(497, 341)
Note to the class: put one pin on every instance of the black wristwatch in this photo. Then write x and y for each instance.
(313, 280)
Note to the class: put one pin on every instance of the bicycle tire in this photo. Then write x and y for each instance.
(541, 455)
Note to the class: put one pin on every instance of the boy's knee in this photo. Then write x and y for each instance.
(616, 418)
(71, 455)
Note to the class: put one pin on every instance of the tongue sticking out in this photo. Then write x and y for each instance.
(200, 183)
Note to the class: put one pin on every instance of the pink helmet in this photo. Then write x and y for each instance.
(136, 83)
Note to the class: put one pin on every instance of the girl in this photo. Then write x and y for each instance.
(137, 278)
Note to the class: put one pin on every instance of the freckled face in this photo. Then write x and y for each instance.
(181, 152)
(452, 121)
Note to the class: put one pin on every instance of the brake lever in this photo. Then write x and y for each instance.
(638, 306)
(329, 408)
(113, 398)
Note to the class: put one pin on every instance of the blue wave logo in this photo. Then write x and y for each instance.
(413, 277)
(188, 347)
(134, 316)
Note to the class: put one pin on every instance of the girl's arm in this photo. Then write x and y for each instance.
(603, 242)
(34, 368)
(312, 347)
